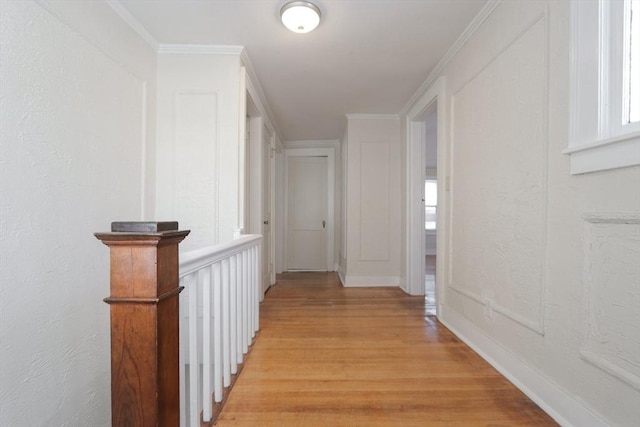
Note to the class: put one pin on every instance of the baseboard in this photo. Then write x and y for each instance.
(560, 405)
(341, 276)
(370, 281)
(403, 284)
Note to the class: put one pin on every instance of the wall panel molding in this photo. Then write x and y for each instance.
(533, 39)
(195, 148)
(375, 210)
(611, 291)
(54, 10)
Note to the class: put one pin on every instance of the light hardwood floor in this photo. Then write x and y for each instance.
(330, 356)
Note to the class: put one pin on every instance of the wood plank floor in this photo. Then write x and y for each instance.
(330, 356)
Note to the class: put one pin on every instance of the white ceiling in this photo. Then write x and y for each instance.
(365, 57)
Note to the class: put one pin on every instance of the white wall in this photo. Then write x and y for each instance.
(198, 144)
(77, 88)
(543, 276)
(431, 145)
(373, 208)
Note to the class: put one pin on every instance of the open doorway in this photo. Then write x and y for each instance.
(426, 201)
(430, 166)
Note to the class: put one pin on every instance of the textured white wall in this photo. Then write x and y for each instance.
(75, 82)
(197, 154)
(543, 263)
(373, 186)
(431, 144)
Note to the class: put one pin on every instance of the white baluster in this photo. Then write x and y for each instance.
(252, 293)
(182, 303)
(223, 285)
(226, 348)
(217, 333)
(239, 315)
(233, 318)
(207, 374)
(246, 334)
(256, 289)
(194, 359)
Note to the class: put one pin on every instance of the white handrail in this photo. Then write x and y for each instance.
(219, 318)
(194, 260)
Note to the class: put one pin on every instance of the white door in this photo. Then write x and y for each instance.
(267, 263)
(307, 213)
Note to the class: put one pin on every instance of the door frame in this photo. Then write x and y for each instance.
(257, 125)
(329, 153)
(415, 268)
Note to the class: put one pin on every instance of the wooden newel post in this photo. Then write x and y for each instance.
(144, 323)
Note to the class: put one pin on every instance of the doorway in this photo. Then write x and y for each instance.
(426, 185)
(307, 213)
(430, 148)
(260, 141)
(309, 179)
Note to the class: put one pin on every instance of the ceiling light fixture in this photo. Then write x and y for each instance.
(300, 16)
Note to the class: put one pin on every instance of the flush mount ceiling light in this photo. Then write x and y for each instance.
(300, 16)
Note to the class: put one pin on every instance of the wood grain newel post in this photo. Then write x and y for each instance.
(145, 376)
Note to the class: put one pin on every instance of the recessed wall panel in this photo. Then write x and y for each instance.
(499, 181)
(194, 159)
(612, 295)
(374, 202)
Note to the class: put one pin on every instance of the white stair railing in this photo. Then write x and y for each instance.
(218, 321)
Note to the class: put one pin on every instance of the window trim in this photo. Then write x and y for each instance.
(596, 143)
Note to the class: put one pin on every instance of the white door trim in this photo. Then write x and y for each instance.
(272, 191)
(331, 179)
(415, 183)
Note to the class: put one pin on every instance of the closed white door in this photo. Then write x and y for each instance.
(307, 213)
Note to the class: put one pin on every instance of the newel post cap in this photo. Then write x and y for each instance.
(149, 231)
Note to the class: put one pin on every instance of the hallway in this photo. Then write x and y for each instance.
(333, 356)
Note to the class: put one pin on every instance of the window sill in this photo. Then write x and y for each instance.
(612, 153)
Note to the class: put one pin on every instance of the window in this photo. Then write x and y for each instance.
(430, 203)
(605, 85)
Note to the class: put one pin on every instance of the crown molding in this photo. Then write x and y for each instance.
(477, 21)
(201, 49)
(135, 25)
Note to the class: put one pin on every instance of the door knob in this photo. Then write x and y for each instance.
(265, 222)
(324, 223)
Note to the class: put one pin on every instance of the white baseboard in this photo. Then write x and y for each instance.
(560, 405)
(370, 281)
(403, 284)
(341, 276)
